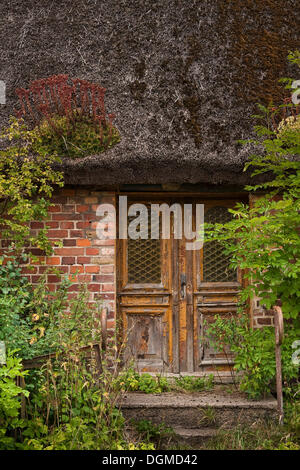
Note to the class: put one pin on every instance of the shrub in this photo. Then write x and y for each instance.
(26, 185)
(72, 403)
(254, 354)
(31, 317)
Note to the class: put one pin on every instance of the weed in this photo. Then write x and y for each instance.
(194, 384)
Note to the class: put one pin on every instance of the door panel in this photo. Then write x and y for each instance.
(144, 297)
(167, 295)
(216, 291)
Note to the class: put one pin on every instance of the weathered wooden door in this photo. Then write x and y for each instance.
(167, 294)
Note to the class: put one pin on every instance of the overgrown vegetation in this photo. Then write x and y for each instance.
(72, 398)
(132, 381)
(261, 435)
(254, 355)
(263, 240)
(26, 186)
(10, 404)
(159, 435)
(194, 384)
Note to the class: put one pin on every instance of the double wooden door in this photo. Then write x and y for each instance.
(168, 294)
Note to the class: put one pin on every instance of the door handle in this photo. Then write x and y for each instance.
(182, 286)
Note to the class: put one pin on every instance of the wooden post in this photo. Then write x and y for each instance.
(278, 320)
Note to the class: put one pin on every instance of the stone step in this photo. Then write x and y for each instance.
(194, 437)
(213, 409)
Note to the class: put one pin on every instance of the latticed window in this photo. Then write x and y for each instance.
(215, 262)
(144, 260)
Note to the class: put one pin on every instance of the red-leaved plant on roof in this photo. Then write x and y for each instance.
(54, 101)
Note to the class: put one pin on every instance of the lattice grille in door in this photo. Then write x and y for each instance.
(215, 262)
(144, 259)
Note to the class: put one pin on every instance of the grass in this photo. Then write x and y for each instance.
(262, 435)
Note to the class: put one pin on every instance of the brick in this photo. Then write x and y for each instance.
(55, 208)
(84, 224)
(83, 242)
(68, 208)
(76, 233)
(104, 242)
(107, 287)
(92, 269)
(89, 216)
(37, 225)
(51, 224)
(29, 270)
(42, 269)
(82, 208)
(66, 216)
(83, 260)
(63, 269)
(94, 287)
(35, 251)
(57, 234)
(107, 251)
(90, 200)
(102, 260)
(68, 260)
(69, 251)
(107, 269)
(108, 278)
(85, 278)
(77, 269)
(67, 225)
(92, 251)
(51, 287)
(69, 242)
(53, 279)
(74, 288)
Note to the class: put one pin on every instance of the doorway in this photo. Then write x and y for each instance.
(169, 294)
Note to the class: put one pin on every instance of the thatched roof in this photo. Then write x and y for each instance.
(182, 76)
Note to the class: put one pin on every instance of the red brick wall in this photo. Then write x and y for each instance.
(73, 221)
(261, 316)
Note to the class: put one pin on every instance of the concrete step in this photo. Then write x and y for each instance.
(194, 437)
(201, 410)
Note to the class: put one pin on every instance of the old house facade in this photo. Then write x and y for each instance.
(183, 79)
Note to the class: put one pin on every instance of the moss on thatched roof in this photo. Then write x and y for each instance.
(182, 76)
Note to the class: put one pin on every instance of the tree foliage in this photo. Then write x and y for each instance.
(263, 238)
